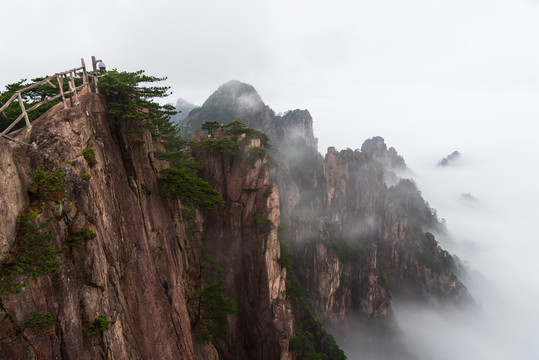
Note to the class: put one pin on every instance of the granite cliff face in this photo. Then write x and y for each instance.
(243, 237)
(137, 269)
(359, 233)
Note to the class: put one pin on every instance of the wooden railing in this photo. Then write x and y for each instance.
(59, 78)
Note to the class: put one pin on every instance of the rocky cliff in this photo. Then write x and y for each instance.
(123, 264)
(96, 261)
(359, 234)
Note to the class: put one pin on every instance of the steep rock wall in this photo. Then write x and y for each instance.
(243, 237)
(131, 271)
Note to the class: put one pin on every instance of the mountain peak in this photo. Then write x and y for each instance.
(237, 95)
(377, 147)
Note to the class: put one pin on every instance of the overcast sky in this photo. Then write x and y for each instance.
(378, 66)
(429, 76)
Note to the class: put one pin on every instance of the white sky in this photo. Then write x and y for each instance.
(429, 76)
(363, 68)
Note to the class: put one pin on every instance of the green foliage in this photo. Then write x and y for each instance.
(76, 240)
(268, 192)
(38, 323)
(98, 327)
(34, 255)
(86, 177)
(256, 153)
(132, 104)
(89, 156)
(222, 146)
(210, 126)
(235, 127)
(431, 255)
(30, 98)
(261, 220)
(410, 204)
(303, 344)
(293, 287)
(179, 159)
(209, 306)
(47, 185)
(311, 341)
(188, 213)
(253, 134)
(181, 180)
(178, 182)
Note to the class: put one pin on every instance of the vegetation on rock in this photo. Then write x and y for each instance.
(33, 254)
(47, 185)
(98, 326)
(310, 341)
(89, 156)
(209, 307)
(132, 103)
(78, 239)
(181, 181)
(38, 323)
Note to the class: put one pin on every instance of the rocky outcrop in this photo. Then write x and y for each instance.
(130, 271)
(243, 237)
(136, 271)
(14, 196)
(183, 107)
(450, 159)
(357, 231)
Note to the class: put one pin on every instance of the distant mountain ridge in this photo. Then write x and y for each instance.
(373, 236)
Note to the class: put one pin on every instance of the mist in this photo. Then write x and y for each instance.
(496, 235)
(488, 198)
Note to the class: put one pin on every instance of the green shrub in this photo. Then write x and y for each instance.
(89, 156)
(181, 180)
(254, 154)
(47, 185)
(76, 240)
(188, 213)
(222, 146)
(178, 182)
(98, 327)
(261, 220)
(293, 287)
(209, 306)
(35, 255)
(430, 254)
(86, 177)
(38, 323)
(251, 134)
(268, 192)
(310, 341)
(131, 104)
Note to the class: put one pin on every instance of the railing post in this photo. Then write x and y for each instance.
(61, 86)
(23, 109)
(73, 88)
(84, 73)
(94, 67)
